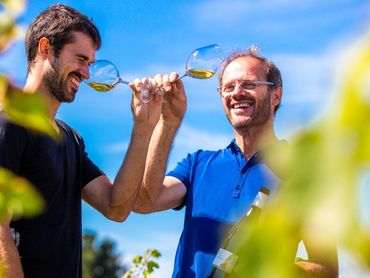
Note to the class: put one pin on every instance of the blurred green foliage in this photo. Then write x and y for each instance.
(17, 196)
(143, 265)
(99, 259)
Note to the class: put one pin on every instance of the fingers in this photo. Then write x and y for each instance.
(173, 76)
(136, 85)
(158, 86)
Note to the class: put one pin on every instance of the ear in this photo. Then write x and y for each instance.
(276, 96)
(44, 48)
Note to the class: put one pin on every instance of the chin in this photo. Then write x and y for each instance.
(70, 97)
(241, 124)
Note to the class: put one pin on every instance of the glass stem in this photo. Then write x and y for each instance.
(185, 74)
(120, 80)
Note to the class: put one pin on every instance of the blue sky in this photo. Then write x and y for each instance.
(306, 39)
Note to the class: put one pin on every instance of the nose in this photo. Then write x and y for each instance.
(237, 90)
(85, 71)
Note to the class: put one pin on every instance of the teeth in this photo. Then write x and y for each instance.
(75, 81)
(239, 105)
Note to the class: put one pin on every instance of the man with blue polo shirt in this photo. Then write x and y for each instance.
(216, 187)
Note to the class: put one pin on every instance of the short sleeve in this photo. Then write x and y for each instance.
(182, 171)
(89, 171)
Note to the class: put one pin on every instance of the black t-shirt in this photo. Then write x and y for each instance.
(50, 243)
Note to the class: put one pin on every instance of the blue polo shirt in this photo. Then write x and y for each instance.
(221, 186)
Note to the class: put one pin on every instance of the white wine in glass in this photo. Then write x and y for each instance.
(203, 62)
(104, 76)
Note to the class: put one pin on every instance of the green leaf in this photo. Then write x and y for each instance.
(151, 265)
(25, 109)
(154, 253)
(9, 32)
(146, 273)
(14, 7)
(17, 196)
(137, 259)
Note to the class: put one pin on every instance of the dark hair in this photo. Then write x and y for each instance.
(272, 72)
(57, 24)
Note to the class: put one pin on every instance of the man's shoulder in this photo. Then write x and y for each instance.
(206, 154)
(70, 131)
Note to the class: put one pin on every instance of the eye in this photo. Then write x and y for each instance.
(81, 60)
(248, 85)
(229, 87)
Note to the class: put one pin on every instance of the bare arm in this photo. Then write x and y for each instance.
(115, 200)
(9, 256)
(157, 192)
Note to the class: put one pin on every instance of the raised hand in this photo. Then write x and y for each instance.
(145, 113)
(175, 101)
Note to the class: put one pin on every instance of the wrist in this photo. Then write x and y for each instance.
(143, 129)
(170, 123)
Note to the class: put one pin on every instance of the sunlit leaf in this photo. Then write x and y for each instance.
(154, 253)
(3, 91)
(17, 196)
(14, 7)
(28, 110)
(152, 265)
(8, 31)
(137, 259)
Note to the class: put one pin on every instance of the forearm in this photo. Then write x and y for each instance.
(128, 179)
(156, 163)
(9, 256)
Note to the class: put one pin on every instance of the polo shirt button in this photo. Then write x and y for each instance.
(237, 187)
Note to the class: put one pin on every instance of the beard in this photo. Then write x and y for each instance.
(54, 83)
(260, 115)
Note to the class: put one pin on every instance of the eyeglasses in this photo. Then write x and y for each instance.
(245, 85)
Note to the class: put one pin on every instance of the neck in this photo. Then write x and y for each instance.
(253, 139)
(34, 85)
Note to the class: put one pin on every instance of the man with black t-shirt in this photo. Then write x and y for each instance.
(61, 44)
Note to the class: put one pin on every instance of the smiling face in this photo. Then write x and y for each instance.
(248, 108)
(70, 68)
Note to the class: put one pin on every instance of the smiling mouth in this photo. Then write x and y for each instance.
(75, 80)
(242, 105)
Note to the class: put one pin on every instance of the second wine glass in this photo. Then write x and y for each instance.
(203, 62)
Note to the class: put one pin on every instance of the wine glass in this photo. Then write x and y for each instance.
(203, 62)
(104, 76)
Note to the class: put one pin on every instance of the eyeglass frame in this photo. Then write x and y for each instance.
(249, 82)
